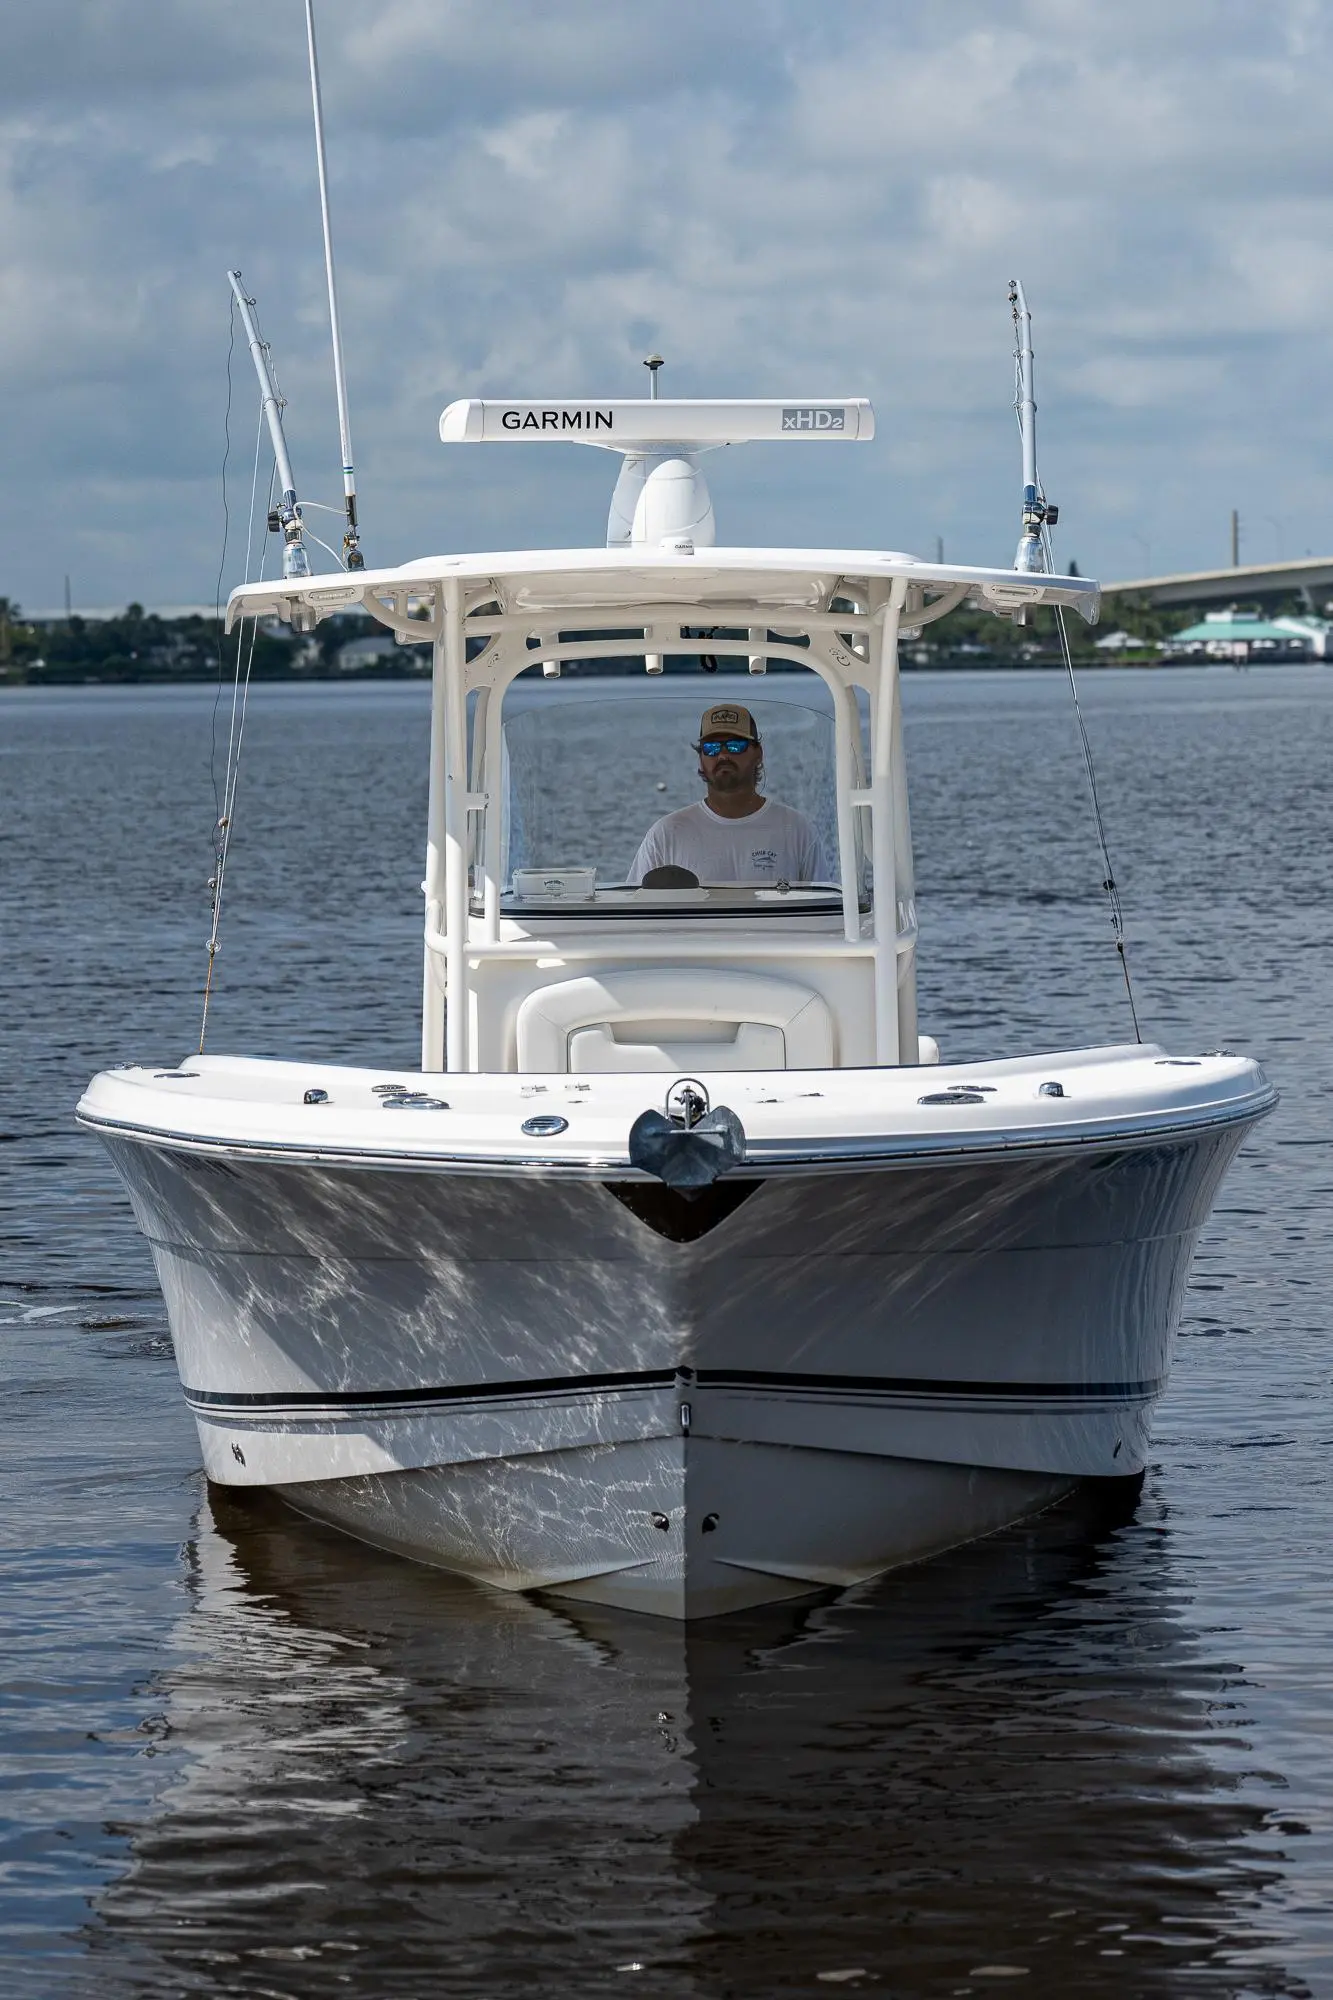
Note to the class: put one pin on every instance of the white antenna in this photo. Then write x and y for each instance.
(1036, 513)
(295, 561)
(352, 555)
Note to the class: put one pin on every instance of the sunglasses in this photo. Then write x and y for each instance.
(713, 746)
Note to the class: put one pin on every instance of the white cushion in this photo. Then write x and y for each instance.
(703, 1017)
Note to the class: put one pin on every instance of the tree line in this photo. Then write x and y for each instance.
(141, 646)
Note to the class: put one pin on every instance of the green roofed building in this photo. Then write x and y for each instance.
(1244, 636)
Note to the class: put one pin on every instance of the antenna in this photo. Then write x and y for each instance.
(352, 555)
(1036, 512)
(295, 561)
(661, 498)
(652, 364)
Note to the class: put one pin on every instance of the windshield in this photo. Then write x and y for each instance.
(604, 798)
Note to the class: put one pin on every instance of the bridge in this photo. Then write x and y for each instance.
(1312, 576)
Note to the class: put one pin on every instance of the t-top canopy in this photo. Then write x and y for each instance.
(767, 581)
(645, 423)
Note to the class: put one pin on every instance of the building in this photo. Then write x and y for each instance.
(1246, 638)
(358, 654)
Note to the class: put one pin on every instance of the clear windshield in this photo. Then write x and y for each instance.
(598, 774)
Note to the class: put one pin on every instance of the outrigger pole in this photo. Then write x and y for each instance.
(1036, 513)
(295, 561)
(352, 555)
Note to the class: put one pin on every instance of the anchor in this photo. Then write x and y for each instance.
(688, 1145)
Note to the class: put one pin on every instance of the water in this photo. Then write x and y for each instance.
(243, 1756)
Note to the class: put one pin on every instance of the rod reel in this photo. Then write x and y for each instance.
(1037, 512)
(286, 516)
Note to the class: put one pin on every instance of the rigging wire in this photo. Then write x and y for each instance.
(240, 704)
(340, 559)
(324, 545)
(1046, 516)
(224, 806)
(222, 565)
(1108, 880)
(233, 749)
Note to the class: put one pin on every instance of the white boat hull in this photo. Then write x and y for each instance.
(533, 1380)
(683, 1527)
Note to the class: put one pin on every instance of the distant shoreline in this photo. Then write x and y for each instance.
(52, 684)
(141, 648)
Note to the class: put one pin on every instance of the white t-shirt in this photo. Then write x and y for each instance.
(775, 844)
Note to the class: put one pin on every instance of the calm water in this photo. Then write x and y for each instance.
(243, 1756)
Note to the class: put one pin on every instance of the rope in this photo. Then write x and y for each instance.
(1108, 881)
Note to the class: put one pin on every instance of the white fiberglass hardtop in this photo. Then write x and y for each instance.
(824, 620)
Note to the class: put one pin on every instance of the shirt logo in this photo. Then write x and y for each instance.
(816, 418)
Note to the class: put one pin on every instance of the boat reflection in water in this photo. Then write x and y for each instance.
(387, 1780)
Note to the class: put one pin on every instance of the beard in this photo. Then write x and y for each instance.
(725, 778)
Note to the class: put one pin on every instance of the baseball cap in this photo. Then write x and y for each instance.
(728, 718)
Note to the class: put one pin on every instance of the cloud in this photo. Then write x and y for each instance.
(781, 199)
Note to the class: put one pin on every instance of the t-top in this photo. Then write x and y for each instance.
(775, 844)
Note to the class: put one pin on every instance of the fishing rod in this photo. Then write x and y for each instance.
(1035, 553)
(352, 555)
(1037, 512)
(295, 560)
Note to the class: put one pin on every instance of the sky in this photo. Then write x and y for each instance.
(782, 198)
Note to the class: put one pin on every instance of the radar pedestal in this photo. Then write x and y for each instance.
(661, 498)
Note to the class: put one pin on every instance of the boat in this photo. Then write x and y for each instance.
(686, 1273)
(683, 1276)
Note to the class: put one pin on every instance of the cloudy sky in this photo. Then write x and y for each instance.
(788, 199)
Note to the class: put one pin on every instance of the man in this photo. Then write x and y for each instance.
(734, 835)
